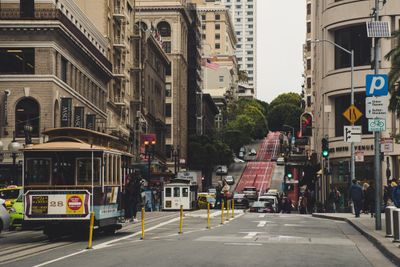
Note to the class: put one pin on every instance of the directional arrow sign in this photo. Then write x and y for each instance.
(352, 134)
(376, 107)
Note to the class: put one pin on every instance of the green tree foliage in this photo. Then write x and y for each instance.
(394, 75)
(285, 109)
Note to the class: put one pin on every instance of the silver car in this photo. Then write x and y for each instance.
(4, 216)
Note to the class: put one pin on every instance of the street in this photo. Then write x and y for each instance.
(251, 239)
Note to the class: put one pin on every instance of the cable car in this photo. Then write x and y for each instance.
(76, 172)
(180, 192)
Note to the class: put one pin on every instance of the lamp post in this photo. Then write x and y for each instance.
(351, 53)
(14, 147)
(149, 148)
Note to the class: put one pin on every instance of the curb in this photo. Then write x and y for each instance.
(382, 248)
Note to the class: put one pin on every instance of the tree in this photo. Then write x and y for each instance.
(286, 98)
(394, 75)
(242, 75)
(285, 113)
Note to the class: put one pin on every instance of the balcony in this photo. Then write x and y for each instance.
(119, 72)
(119, 42)
(119, 11)
(119, 101)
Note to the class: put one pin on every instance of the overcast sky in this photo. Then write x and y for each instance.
(281, 31)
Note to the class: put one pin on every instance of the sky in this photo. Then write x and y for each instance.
(281, 33)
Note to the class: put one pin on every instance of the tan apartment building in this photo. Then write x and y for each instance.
(54, 72)
(171, 19)
(327, 85)
(114, 19)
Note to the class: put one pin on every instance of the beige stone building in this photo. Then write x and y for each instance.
(327, 85)
(54, 71)
(171, 19)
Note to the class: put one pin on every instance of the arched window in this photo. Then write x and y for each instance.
(164, 29)
(27, 112)
(140, 26)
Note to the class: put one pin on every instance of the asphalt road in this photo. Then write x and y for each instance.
(249, 240)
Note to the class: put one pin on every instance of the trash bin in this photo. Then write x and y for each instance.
(396, 225)
(389, 220)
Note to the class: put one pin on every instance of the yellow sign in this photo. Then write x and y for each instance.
(352, 114)
(75, 204)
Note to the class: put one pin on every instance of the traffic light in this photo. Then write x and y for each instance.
(325, 147)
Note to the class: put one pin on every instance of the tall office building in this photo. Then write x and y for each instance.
(243, 13)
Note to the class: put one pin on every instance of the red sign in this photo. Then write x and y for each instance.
(74, 203)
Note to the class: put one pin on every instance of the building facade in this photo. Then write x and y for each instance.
(54, 72)
(327, 87)
(244, 17)
(171, 19)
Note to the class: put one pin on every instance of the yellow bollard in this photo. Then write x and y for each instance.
(222, 212)
(208, 216)
(91, 230)
(142, 224)
(233, 208)
(181, 220)
(227, 210)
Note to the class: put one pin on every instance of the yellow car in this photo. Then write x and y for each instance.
(10, 194)
(202, 201)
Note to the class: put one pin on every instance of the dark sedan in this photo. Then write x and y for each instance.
(240, 200)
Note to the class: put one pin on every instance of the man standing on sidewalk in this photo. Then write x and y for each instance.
(356, 195)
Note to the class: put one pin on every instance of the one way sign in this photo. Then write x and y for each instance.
(352, 134)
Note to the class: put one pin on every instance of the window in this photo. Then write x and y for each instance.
(308, 46)
(168, 110)
(168, 90)
(203, 36)
(203, 17)
(167, 47)
(309, 64)
(27, 8)
(38, 171)
(63, 171)
(352, 38)
(309, 82)
(164, 29)
(217, 26)
(217, 36)
(217, 16)
(63, 69)
(177, 191)
(308, 9)
(308, 27)
(185, 192)
(168, 133)
(217, 46)
(84, 171)
(27, 112)
(168, 192)
(17, 61)
(203, 26)
(221, 79)
(341, 104)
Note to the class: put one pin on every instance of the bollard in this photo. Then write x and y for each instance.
(142, 224)
(208, 216)
(91, 225)
(222, 212)
(233, 208)
(181, 220)
(389, 220)
(227, 210)
(396, 225)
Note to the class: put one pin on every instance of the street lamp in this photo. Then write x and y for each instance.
(14, 147)
(149, 148)
(351, 53)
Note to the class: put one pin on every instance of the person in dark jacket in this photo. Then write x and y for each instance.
(356, 195)
(370, 199)
(396, 195)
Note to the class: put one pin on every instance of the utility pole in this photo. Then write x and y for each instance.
(377, 135)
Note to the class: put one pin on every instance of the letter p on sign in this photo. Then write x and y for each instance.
(376, 85)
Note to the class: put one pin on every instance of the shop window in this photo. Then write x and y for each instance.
(27, 112)
(17, 61)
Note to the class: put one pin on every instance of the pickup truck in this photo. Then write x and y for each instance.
(250, 192)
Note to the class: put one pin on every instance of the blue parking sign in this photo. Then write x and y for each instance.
(376, 85)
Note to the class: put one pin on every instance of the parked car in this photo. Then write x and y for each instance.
(241, 154)
(230, 179)
(240, 200)
(250, 192)
(4, 216)
(280, 161)
(222, 169)
(270, 200)
(16, 213)
(252, 152)
(10, 194)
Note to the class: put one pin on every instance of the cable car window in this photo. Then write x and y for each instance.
(38, 171)
(185, 192)
(63, 171)
(168, 192)
(177, 191)
(84, 171)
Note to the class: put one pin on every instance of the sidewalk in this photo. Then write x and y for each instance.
(366, 226)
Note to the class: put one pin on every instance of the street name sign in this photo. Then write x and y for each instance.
(352, 134)
(376, 125)
(376, 107)
(376, 85)
(352, 114)
(386, 145)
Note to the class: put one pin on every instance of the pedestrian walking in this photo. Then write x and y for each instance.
(356, 196)
(218, 192)
(334, 198)
(225, 191)
(365, 208)
(370, 200)
(396, 195)
(388, 193)
(136, 195)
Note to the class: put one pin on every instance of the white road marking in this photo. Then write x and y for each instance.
(250, 235)
(243, 244)
(261, 216)
(61, 258)
(262, 223)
